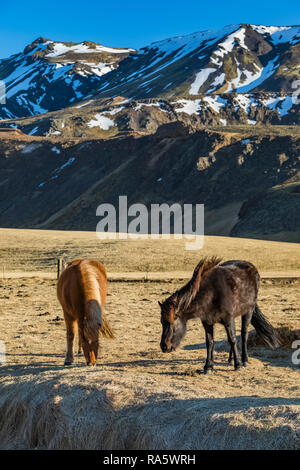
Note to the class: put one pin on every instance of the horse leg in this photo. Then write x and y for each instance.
(230, 358)
(79, 343)
(230, 330)
(209, 335)
(244, 333)
(70, 326)
(82, 343)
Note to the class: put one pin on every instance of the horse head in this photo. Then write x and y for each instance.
(173, 325)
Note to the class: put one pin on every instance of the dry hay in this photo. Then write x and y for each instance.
(62, 416)
(286, 336)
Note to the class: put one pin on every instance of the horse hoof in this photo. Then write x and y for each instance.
(68, 363)
(245, 364)
(208, 371)
(237, 367)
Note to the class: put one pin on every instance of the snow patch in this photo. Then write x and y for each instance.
(158, 104)
(61, 49)
(84, 104)
(280, 34)
(30, 148)
(215, 102)
(227, 46)
(54, 132)
(101, 121)
(189, 106)
(200, 79)
(57, 171)
(33, 131)
(115, 110)
(282, 104)
(253, 80)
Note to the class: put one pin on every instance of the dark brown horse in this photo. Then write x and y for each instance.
(81, 290)
(217, 293)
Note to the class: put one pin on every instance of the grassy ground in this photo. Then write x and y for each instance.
(138, 397)
(37, 250)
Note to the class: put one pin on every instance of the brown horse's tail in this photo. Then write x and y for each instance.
(106, 329)
(264, 329)
(94, 321)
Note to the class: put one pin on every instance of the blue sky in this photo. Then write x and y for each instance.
(131, 23)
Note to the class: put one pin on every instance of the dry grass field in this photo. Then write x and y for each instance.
(25, 251)
(137, 397)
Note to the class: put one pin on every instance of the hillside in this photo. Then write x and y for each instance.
(240, 58)
(240, 74)
(248, 182)
(50, 75)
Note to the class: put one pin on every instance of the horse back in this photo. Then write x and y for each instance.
(234, 286)
(241, 270)
(81, 281)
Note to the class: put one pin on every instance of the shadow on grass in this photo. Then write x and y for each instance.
(162, 421)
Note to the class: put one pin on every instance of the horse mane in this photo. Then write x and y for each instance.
(184, 296)
(89, 281)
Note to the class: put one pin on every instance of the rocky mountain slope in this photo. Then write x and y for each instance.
(249, 183)
(108, 117)
(50, 75)
(240, 69)
(237, 58)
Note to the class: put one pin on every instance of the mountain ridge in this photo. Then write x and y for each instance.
(49, 75)
(240, 58)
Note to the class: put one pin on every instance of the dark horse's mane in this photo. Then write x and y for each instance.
(184, 296)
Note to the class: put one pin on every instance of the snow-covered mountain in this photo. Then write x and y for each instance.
(240, 67)
(237, 58)
(50, 75)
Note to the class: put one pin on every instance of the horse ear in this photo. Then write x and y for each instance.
(159, 303)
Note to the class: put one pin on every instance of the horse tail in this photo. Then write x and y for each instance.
(264, 329)
(94, 321)
(106, 329)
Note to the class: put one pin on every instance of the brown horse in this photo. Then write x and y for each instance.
(81, 291)
(217, 293)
